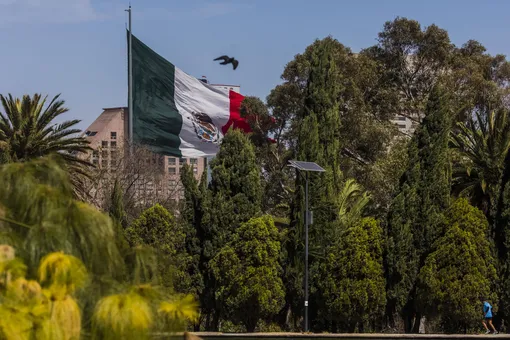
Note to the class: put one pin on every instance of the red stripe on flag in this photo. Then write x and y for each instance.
(236, 121)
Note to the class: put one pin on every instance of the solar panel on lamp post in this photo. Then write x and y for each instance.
(306, 167)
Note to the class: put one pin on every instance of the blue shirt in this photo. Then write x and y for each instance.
(487, 309)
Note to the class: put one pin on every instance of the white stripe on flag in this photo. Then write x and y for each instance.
(192, 95)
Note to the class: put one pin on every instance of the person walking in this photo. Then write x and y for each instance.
(487, 317)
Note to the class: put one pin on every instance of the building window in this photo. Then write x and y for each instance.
(113, 144)
(171, 161)
(401, 118)
(193, 161)
(171, 171)
(95, 161)
(95, 154)
(182, 160)
(104, 163)
(104, 144)
(195, 170)
(104, 153)
(113, 135)
(90, 133)
(401, 126)
(114, 155)
(172, 182)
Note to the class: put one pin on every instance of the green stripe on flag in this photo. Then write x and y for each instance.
(156, 120)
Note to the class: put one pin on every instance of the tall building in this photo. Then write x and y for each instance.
(150, 177)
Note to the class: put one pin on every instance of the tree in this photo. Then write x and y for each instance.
(190, 217)
(138, 175)
(384, 175)
(48, 308)
(233, 197)
(483, 144)
(413, 61)
(40, 216)
(352, 201)
(502, 241)
(43, 309)
(351, 278)
(157, 228)
(235, 189)
(248, 273)
(479, 81)
(416, 213)
(459, 270)
(272, 152)
(317, 141)
(28, 131)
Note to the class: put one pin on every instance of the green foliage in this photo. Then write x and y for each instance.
(483, 143)
(157, 228)
(28, 311)
(123, 316)
(416, 213)
(190, 218)
(502, 223)
(383, 177)
(352, 202)
(235, 191)
(28, 131)
(62, 273)
(132, 314)
(248, 273)
(351, 278)
(116, 209)
(40, 216)
(232, 198)
(460, 270)
(413, 60)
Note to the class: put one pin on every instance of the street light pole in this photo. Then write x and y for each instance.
(307, 222)
(306, 167)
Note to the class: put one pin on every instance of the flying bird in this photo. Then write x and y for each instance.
(227, 60)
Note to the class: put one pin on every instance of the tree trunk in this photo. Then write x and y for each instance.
(250, 326)
(417, 323)
(422, 329)
(408, 318)
(288, 318)
(215, 321)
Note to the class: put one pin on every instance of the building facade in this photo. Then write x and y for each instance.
(405, 125)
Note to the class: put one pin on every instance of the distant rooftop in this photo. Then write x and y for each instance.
(114, 108)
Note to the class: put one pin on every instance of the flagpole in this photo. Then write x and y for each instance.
(130, 83)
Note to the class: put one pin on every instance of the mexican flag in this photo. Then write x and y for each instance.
(176, 114)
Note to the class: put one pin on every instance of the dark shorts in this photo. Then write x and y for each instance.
(488, 319)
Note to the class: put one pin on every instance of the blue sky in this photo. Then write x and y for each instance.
(78, 47)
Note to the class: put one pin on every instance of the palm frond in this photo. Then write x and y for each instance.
(26, 130)
(483, 143)
(122, 316)
(63, 272)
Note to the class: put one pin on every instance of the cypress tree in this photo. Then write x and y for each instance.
(415, 218)
(233, 197)
(351, 278)
(235, 191)
(318, 141)
(459, 271)
(249, 273)
(190, 219)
